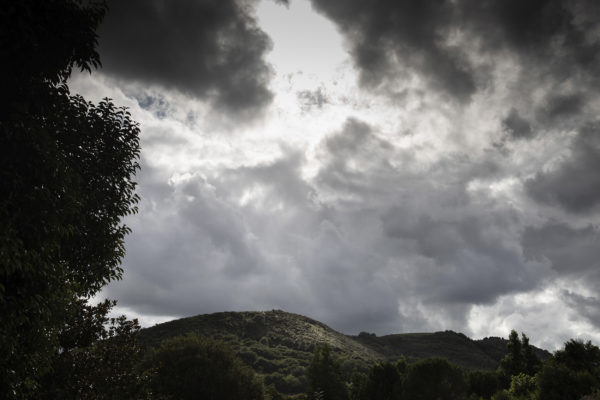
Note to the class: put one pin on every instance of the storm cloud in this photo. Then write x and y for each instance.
(517, 126)
(209, 49)
(569, 250)
(573, 184)
(454, 44)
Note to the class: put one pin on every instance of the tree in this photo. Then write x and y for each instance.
(571, 373)
(272, 394)
(522, 387)
(66, 175)
(195, 367)
(579, 356)
(384, 381)
(358, 386)
(325, 376)
(97, 357)
(532, 363)
(557, 382)
(512, 363)
(434, 379)
(519, 359)
(483, 383)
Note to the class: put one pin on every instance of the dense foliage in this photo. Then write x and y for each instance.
(520, 359)
(326, 380)
(572, 373)
(98, 358)
(66, 178)
(194, 367)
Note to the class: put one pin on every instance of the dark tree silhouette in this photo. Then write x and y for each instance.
(483, 383)
(571, 373)
(385, 381)
(519, 359)
(434, 378)
(195, 367)
(325, 376)
(97, 357)
(66, 170)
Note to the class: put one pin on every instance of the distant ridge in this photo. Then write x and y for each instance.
(279, 345)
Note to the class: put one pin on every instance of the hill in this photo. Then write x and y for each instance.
(279, 345)
(483, 354)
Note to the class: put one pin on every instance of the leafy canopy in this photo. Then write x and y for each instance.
(195, 367)
(325, 376)
(66, 175)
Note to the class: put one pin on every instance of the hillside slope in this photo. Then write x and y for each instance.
(279, 345)
(276, 344)
(459, 349)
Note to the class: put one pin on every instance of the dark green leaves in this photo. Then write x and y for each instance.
(66, 175)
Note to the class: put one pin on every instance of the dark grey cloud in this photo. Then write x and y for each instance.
(516, 126)
(588, 306)
(387, 38)
(385, 33)
(561, 106)
(554, 39)
(210, 49)
(570, 251)
(473, 262)
(527, 26)
(188, 257)
(574, 255)
(360, 165)
(463, 244)
(357, 164)
(562, 110)
(574, 184)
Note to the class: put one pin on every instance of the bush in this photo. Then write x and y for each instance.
(434, 378)
(325, 376)
(522, 387)
(483, 383)
(194, 367)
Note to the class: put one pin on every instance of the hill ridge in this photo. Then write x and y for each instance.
(278, 345)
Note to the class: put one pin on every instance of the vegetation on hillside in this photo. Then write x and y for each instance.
(301, 358)
(571, 373)
(279, 346)
(276, 345)
(195, 367)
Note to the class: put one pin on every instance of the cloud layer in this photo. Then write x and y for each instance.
(445, 178)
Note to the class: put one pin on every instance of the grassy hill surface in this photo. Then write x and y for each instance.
(279, 345)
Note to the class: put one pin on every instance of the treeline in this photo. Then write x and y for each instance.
(108, 363)
(101, 358)
(572, 373)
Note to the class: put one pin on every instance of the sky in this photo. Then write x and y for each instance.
(384, 166)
